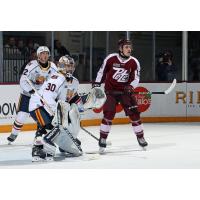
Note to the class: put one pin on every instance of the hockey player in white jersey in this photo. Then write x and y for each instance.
(56, 108)
(37, 71)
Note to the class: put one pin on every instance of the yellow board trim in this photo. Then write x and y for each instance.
(97, 122)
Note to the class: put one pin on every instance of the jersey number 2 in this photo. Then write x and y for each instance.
(51, 87)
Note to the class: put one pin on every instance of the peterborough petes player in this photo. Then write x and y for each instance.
(121, 74)
(56, 108)
(37, 71)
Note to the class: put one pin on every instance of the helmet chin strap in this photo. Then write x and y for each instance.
(122, 55)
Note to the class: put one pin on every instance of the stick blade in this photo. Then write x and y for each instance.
(172, 86)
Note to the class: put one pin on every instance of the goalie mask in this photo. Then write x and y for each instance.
(66, 65)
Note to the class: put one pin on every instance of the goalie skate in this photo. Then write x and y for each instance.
(38, 154)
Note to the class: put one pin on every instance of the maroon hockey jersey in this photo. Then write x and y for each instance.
(117, 73)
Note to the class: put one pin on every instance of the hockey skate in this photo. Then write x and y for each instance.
(102, 145)
(38, 154)
(141, 141)
(11, 138)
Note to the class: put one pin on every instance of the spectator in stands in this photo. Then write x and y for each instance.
(11, 43)
(22, 48)
(32, 46)
(59, 50)
(10, 49)
(165, 68)
(194, 69)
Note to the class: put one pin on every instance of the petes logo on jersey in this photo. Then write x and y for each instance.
(121, 75)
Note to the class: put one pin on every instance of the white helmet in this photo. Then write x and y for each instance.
(66, 64)
(42, 49)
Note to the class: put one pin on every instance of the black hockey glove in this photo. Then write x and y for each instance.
(31, 92)
(96, 85)
(128, 89)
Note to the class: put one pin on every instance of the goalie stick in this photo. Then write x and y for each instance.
(89, 133)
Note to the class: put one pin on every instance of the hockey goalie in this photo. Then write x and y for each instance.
(56, 109)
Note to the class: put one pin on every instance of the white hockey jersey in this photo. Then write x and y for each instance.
(33, 70)
(56, 88)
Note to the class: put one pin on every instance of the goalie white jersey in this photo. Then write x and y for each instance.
(37, 75)
(56, 88)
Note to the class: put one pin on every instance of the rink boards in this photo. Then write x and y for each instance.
(182, 104)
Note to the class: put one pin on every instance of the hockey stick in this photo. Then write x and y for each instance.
(108, 142)
(172, 86)
(167, 91)
(52, 113)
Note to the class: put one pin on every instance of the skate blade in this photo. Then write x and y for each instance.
(102, 150)
(143, 148)
(49, 159)
(37, 159)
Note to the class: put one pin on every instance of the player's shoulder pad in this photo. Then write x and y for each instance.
(75, 79)
(31, 65)
(136, 60)
(53, 66)
(57, 78)
(111, 55)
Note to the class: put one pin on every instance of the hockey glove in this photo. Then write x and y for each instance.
(128, 89)
(96, 85)
(31, 92)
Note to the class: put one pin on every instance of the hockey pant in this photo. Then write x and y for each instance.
(129, 105)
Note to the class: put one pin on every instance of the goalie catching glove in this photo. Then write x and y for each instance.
(94, 99)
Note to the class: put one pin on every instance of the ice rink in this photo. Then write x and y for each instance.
(171, 146)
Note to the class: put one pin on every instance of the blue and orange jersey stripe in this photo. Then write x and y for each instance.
(39, 117)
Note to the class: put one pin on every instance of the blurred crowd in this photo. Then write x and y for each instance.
(20, 48)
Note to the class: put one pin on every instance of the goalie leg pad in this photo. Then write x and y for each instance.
(65, 143)
(61, 114)
(74, 116)
(48, 141)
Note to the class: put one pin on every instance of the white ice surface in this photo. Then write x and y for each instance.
(171, 146)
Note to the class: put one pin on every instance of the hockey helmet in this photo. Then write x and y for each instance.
(42, 49)
(123, 53)
(123, 42)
